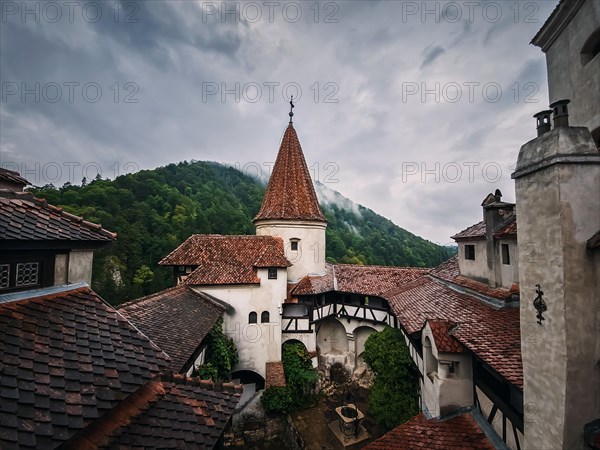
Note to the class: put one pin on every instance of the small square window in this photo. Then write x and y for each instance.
(505, 254)
(294, 245)
(272, 273)
(470, 252)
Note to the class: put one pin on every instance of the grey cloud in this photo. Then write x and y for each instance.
(431, 54)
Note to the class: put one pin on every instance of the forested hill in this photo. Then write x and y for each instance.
(153, 211)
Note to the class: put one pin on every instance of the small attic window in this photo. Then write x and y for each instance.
(272, 272)
(470, 252)
(294, 244)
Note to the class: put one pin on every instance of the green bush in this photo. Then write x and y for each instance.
(394, 396)
(221, 355)
(277, 400)
(300, 375)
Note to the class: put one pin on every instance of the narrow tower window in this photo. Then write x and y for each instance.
(272, 273)
(505, 254)
(264, 317)
(252, 317)
(294, 244)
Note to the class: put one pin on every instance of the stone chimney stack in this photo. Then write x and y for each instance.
(543, 121)
(557, 182)
(561, 113)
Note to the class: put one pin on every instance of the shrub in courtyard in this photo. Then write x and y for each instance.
(394, 396)
(277, 400)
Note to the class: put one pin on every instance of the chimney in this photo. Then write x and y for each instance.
(543, 121)
(561, 113)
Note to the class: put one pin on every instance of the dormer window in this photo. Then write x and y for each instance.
(470, 252)
(294, 244)
(272, 273)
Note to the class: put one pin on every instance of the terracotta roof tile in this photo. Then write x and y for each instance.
(12, 177)
(493, 334)
(176, 319)
(442, 335)
(458, 433)
(275, 375)
(474, 231)
(167, 412)
(227, 259)
(508, 229)
(449, 271)
(290, 194)
(67, 357)
(365, 280)
(25, 217)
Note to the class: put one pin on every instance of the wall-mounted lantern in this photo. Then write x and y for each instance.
(539, 304)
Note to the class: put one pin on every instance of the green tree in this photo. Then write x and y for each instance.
(300, 375)
(394, 396)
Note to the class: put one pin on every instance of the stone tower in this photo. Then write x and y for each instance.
(290, 209)
(557, 182)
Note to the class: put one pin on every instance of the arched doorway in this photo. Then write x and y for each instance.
(252, 383)
(361, 334)
(332, 338)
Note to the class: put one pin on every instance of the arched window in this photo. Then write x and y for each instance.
(264, 317)
(252, 317)
(431, 363)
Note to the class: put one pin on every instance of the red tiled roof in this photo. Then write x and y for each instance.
(449, 271)
(365, 280)
(12, 177)
(442, 335)
(458, 433)
(492, 334)
(474, 231)
(167, 412)
(67, 358)
(176, 319)
(25, 217)
(227, 259)
(275, 375)
(290, 194)
(509, 229)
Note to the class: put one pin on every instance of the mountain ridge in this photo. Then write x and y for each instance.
(154, 210)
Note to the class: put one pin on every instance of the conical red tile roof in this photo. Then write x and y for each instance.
(290, 194)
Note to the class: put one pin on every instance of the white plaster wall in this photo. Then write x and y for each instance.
(509, 273)
(310, 257)
(486, 407)
(80, 266)
(361, 334)
(455, 390)
(257, 343)
(477, 269)
(61, 269)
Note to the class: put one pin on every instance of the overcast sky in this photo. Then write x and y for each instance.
(414, 109)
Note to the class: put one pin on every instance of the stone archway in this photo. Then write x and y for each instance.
(332, 338)
(361, 334)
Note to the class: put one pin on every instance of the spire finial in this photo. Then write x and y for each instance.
(291, 108)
